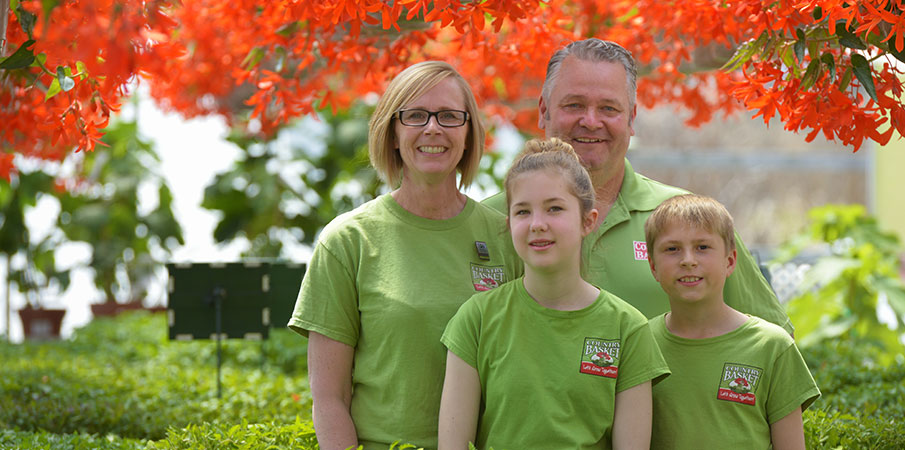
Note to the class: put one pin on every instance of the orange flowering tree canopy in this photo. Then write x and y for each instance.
(821, 66)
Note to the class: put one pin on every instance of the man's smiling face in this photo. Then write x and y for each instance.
(589, 108)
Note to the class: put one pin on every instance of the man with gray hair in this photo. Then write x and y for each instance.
(588, 100)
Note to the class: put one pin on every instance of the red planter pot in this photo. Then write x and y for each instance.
(41, 324)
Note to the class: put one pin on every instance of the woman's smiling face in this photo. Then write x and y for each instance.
(430, 153)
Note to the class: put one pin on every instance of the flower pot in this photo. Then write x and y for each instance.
(41, 324)
(111, 309)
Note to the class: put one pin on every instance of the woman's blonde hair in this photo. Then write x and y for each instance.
(553, 153)
(410, 84)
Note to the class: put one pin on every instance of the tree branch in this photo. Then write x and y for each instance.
(4, 21)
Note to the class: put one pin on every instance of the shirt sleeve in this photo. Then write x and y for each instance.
(641, 359)
(463, 332)
(791, 385)
(747, 290)
(328, 299)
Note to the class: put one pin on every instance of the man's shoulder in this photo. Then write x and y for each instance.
(643, 193)
(496, 201)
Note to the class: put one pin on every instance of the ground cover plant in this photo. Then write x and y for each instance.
(120, 384)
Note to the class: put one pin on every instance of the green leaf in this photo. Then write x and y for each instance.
(811, 75)
(66, 83)
(813, 49)
(847, 38)
(787, 55)
(846, 79)
(892, 51)
(827, 270)
(289, 29)
(800, 45)
(818, 13)
(827, 58)
(26, 19)
(82, 70)
(745, 52)
(862, 71)
(253, 57)
(54, 89)
(48, 5)
(22, 57)
(40, 59)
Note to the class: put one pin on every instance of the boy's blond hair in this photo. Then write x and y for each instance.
(691, 209)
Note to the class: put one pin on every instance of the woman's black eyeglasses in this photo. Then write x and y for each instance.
(449, 118)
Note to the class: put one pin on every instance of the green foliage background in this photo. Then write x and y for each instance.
(120, 384)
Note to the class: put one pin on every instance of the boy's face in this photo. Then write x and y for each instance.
(691, 263)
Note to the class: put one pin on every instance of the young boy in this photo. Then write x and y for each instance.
(737, 381)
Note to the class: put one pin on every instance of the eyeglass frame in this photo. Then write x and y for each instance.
(434, 114)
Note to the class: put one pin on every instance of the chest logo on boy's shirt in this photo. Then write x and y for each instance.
(600, 357)
(640, 248)
(738, 383)
(486, 278)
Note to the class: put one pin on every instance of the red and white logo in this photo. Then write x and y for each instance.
(640, 250)
(738, 383)
(600, 357)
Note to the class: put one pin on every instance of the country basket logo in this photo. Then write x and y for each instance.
(486, 278)
(739, 383)
(600, 357)
(640, 248)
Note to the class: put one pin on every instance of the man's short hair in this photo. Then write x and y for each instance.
(593, 49)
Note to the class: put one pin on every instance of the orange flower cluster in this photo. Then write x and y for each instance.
(827, 66)
(97, 46)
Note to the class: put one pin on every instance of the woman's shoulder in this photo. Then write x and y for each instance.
(362, 219)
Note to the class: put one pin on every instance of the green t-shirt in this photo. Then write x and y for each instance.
(385, 282)
(616, 256)
(725, 391)
(549, 378)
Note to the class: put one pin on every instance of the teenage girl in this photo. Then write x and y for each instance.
(548, 360)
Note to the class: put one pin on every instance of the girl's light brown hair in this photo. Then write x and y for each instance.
(410, 84)
(690, 209)
(553, 153)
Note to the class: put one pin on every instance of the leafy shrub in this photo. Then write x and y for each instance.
(840, 293)
(10, 439)
(295, 435)
(122, 376)
(825, 429)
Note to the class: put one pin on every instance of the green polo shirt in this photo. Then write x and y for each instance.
(615, 255)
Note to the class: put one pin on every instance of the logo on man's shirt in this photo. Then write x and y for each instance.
(600, 357)
(640, 248)
(738, 383)
(486, 278)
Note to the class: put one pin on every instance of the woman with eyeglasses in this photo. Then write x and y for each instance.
(386, 277)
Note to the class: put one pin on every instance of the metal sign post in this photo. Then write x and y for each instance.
(221, 301)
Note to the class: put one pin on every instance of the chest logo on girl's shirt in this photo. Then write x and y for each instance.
(486, 278)
(738, 383)
(600, 357)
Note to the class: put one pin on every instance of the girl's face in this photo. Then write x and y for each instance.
(546, 221)
(431, 152)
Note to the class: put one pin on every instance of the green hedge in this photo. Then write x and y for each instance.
(120, 384)
(10, 439)
(123, 377)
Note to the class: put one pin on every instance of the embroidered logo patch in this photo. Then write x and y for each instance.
(738, 383)
(486, 278)
(600, 357)
(640, 250)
